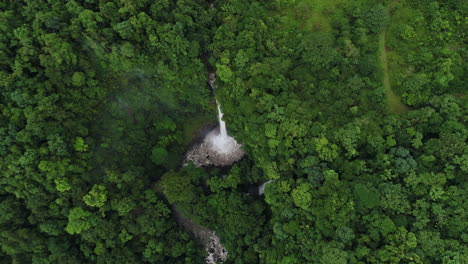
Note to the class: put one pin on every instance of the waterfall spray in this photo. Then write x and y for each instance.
(217, 148)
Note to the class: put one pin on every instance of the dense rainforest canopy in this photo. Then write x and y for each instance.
(354, 110)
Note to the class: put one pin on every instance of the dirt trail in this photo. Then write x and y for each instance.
(393, 100)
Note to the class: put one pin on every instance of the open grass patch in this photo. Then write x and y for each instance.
(313, 15)
(403, 37)
(388, 63)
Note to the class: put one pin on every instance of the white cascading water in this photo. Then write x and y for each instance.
(222, 124)
(220, 141)
(261, 188)
(217, 148)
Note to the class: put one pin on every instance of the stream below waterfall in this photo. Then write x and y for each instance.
(216, 253)
(216, 148)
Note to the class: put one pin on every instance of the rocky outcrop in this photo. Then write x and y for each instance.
(213, 152)
(215, 251)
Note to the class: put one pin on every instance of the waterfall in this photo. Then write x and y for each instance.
(261, 188)
(217, 148)
(222, 124)
(220, 141)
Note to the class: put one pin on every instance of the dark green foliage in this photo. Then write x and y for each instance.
(366, 197)
(83, 94)
(99, 101)
(159, 155)
(376, 18)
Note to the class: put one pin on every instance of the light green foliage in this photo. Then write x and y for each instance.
(125, 236)
(62, 184)
(179, 187)
(331, 254)
(80, 144)
(159, 155)
(80, 220)
(356, 110)
(231, 180)
(302, 195)
(408, 32)
(415, 91)
(224, 72)
(270, 130)
(123, 206)
(326, 151)
(393, 197)
(96, 197)
(349, 136)
(78, 79)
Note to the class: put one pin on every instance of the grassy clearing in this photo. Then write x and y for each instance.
(313, 15)
(393, 100)
(400, 50)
